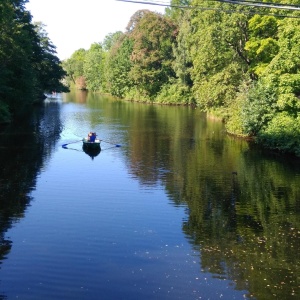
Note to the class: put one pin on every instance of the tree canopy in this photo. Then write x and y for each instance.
(29, 66)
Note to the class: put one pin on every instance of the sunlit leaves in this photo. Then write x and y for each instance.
(282, 133)
(262, 45)
(263, 26)
(219, 60)
(119, 65)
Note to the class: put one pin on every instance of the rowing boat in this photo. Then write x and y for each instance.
(91, 148)
(91, 145)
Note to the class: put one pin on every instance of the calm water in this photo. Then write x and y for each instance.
(171, 208)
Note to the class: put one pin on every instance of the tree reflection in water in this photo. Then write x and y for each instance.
(242, 204)
(24, 147)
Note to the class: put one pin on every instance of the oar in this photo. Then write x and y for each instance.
(117, 145)
(73, 149)
(65, 145)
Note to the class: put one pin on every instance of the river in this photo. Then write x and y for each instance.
(171, 208)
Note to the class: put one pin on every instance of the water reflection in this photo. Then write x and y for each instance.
(25, 147)
(241, 203)
(91, 152)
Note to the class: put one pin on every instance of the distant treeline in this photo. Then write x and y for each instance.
(29, 66)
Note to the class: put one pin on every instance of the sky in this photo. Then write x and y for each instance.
(75, 24)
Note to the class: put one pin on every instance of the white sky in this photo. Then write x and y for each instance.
(74, 24)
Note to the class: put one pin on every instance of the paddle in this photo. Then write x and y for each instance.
(117, 145)
(65, 145)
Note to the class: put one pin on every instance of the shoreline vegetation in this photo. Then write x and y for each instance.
(240, 67)
(227, 61)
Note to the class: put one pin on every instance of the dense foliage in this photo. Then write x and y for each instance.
(29, 66)
(238, 62)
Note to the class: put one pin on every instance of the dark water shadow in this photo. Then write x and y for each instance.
(24, 147)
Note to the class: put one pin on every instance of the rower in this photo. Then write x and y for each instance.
(93, 137)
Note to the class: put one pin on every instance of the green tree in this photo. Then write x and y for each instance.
(178, 90)
(111, 39)
(262, 44)
(152, 56)
(283, 74)
(119, 66)
(220, 63)
(176, 10)
(74, 68)
(93, 67)
(47, 64)
(182, 64)
(16, 46)
(28, 63)
(285, 66)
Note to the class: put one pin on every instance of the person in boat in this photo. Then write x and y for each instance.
(92, 137)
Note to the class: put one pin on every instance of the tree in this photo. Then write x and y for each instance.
(74, 68)
(111, 39)
(16, 46)
(47, 64)
(29, 66)
(182, 64)
(262, 44)
(152, 56)
(178, 89)
(219, 60)
(93, 67)
(119, 66)
(175, 11)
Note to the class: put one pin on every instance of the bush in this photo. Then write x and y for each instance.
(175, 94)
(259, 108)
(282, 134)
(234, 121)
